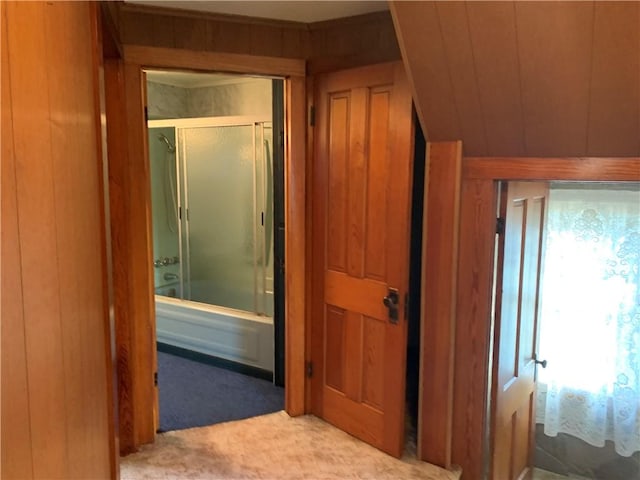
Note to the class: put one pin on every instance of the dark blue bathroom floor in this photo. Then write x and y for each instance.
(194, 394)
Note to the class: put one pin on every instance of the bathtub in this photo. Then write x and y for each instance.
(226, 333)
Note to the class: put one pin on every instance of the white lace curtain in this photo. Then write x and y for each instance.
(590, 317)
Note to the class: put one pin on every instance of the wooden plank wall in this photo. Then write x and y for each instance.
(198, 31)
(352, 42)
(55, 390)
(526, 78)
(329, 45)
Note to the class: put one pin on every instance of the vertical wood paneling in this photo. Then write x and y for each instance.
(538, 78)
(614, 101)
(189, 31)
(555, 51)
(37, 225)
(339, 107)
(426, 66)
(492, 28)
(438, 304)
(162, 31)
(358, 148)
(136, 28)
(59, 262)
(462, 72)
(265, 39)
(377, 172)
(15, 439)
(350, 42)
(79, 224)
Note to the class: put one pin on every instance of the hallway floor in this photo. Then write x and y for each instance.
(273, 446)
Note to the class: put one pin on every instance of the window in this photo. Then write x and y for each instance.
(590, 316)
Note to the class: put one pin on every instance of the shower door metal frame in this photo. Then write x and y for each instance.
(179, 126)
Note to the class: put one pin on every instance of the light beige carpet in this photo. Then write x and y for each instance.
(273, 446)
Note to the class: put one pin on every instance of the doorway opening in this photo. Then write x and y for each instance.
(566, 378)
(412, 400)
(588, 396)
(216, 155)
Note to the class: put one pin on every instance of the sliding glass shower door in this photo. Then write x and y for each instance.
(226, 214)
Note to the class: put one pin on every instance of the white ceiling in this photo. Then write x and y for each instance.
(306, 11)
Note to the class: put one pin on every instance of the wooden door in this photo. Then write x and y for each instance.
(361, 197)
(514, 373)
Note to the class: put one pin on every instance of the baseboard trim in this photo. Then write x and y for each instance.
(215, 361)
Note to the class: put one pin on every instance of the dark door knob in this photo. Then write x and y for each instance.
(391, 302)
(542, 363)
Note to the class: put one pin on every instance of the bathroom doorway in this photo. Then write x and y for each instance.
(216, 153)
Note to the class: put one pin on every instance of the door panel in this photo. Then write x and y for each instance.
(361, 195)
(516, 332)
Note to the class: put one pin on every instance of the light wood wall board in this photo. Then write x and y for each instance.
(78, 224)
(497, 47)
(554, 47)
(15, 443)
(552, 78)
(57, 205)
(456, 42)
(614, 122)
(420, 38)
(37, 226)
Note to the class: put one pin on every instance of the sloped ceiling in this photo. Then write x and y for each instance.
(525, 78)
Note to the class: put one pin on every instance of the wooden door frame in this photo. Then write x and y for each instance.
(474, 328)
(129, 184)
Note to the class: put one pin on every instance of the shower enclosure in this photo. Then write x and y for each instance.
(212, 202)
